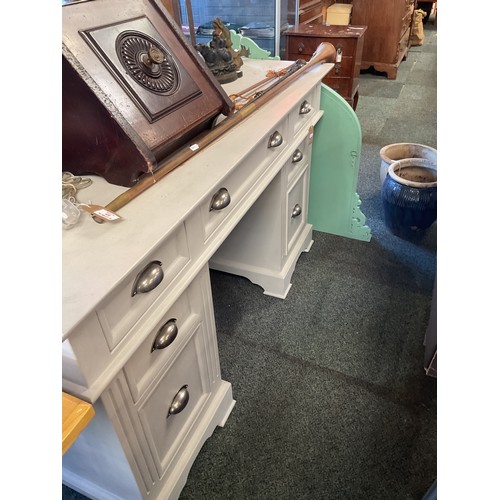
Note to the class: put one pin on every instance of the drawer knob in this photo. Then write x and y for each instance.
(275, 140)
(297, 156)
(338, 67)
(305, 108)
(148, 279)
(220, 199)
(301, 47)
(166, 335)
(297, 210)
(179, 402)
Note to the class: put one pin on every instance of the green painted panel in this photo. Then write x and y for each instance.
(254, 51)
(334, 204)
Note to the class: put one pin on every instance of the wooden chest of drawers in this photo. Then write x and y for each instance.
(303, 39)
(387, 38)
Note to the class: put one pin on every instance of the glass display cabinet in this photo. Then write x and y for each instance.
(259, 20)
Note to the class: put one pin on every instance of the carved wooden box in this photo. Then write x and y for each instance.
(133, 89)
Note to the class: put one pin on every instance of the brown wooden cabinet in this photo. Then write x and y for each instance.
(388, 35)
(303, 39)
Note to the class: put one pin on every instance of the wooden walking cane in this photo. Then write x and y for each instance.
(325, 52)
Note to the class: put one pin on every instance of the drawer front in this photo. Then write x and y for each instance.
(311, 13)
(403, 44)
(346, 45)
(343, 86)
(296, 208)
(143, 286)
(295, 164)
(304, 47)
(166, 432)
(301, 114)
(405, 23)
(216, 208)
(343, 68)
(165, 341)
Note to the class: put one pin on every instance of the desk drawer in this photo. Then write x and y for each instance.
(217, 207)
(296, 162)
(141, 288)
(164, 432)
(166, 339)
(296, 207)
(302, 113)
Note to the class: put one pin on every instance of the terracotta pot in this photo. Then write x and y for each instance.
(409, 197)
(401, 150)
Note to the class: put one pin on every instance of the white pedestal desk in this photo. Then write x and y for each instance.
(139, 357)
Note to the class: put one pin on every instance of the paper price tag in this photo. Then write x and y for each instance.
(101, 212)
(310, 134)
(106, 214)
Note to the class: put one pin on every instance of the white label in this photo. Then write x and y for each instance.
(106, 214)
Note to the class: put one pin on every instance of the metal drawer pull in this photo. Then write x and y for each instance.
(338, 67)
(305, 108)
(166, 335)
(301, 47)
(297, 210)
(297, 156)
(148, 279)
(275, 140)
(179, 402)
(338, 57)
(220, 199)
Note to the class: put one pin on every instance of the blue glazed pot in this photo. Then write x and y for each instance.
(409, 197)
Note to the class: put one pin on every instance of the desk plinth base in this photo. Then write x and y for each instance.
(276, 283)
